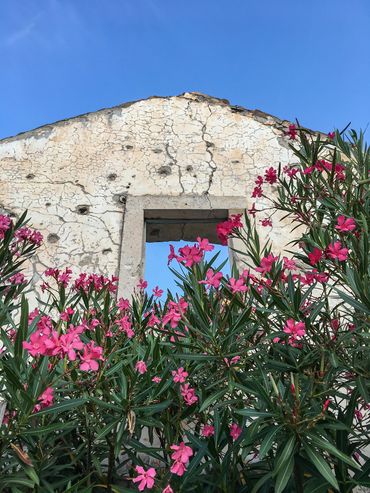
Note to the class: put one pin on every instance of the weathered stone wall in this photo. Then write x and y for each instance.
(75, 176)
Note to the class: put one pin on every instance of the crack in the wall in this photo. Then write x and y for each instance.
(174, 161)
(208, 147)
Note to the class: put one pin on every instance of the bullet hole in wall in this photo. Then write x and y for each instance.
(53, 238)
(83, 210)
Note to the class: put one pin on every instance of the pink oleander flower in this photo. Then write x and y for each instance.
(315, 256)
(345, 224)
(175, 312)
(359, 415)
(145, 478)
(45, 324)
(212, 279)
(190, 255)
(225, 228)
(289, 263)
(266, 264)
(188, 394)
(295, 329)
(69, 342)
(142, 284)
(123, 304)
(292, 132)
(34, 314)
(65, 277)
(125, 326)
(46, 399)
(69, 311)
(208, 431)
(172, 255)
(156, 379)
(290, 171)
(93, 323)
(38, 343)
(173, 316)
(182, 452)
(336, 251)
(153, 320)
(266, 222)
(204, 244)
(179, 375)
(157, 292)
(231, 361)
(271, 175)
(141, 367)
(257, 192)
(90, 357)
(17, 278)
(5, 224)
(331, 135)
(28, 234)
(235, 431)
(335, 324)
(326, 405)
(168, 489)
(237, 285)
(178, 468)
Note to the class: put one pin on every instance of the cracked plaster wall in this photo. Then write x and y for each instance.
(74, 176)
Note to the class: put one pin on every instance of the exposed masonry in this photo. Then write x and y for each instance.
(76, 176)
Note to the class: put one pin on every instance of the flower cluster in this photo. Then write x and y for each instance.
(46, 341)
(28, 235)
(5, 224)
(175, 312)
(46, 399)
(226, 228)
(213, 279)
(180, 456)
(190, 255)
(187, 392)
(322, 165)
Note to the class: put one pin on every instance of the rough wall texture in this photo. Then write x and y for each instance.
(74, 176)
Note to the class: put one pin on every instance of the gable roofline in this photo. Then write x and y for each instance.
(261, 116)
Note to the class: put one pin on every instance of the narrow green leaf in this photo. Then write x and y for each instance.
(252, 413)
(261, 482)
(106, 429)
(316, 485)
(321, 465)
(286, 453)
(284, 474)
(325, 445)
(212, 398)
(361, 384)
(31, 473)
(354, 303)
(154, 408)
(41, 430)
(268, 441)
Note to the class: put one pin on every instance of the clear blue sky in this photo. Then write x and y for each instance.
(293, 58)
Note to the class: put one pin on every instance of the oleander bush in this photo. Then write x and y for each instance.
(254, 382)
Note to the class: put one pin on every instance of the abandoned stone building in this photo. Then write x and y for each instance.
(101, 185)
